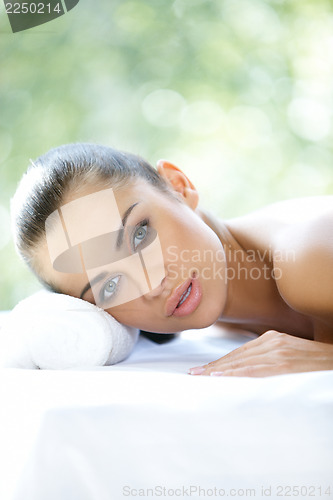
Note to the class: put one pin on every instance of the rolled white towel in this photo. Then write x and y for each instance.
(55, 331)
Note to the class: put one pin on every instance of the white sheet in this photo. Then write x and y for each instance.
(114, 432)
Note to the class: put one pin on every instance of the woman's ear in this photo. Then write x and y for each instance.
(179, 182)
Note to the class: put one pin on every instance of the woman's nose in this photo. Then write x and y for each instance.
(157, 290)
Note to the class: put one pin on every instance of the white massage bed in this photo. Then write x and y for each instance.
(146, 429)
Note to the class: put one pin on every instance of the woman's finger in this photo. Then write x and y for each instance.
(221, 365)
(260, 370)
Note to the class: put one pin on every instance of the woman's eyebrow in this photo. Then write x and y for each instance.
(95, 280)
(122, 227)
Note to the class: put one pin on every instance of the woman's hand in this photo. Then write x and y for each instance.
(273, 353)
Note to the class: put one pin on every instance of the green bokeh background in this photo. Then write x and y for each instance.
(238, 93)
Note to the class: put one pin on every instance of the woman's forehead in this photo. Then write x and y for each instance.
(132, 186)
(80, 220)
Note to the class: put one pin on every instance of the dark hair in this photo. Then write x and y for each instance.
(65, 169)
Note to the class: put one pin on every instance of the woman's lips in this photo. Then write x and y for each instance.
(190, 303)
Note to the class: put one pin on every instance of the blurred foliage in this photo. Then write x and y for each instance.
(238, 93)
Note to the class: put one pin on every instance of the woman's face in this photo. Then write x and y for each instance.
(184, 271)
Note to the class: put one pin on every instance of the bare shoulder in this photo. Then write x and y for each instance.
(303, 264)
(260, 227)
(299, 235)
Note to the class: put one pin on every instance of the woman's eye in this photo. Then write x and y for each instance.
(109, 288)
(139, 235)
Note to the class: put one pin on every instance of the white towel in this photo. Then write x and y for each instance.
(55, 331)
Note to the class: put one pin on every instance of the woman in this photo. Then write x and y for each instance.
(105, 226)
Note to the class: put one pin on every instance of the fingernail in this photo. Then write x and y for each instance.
(197, 370)
(216, 374)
